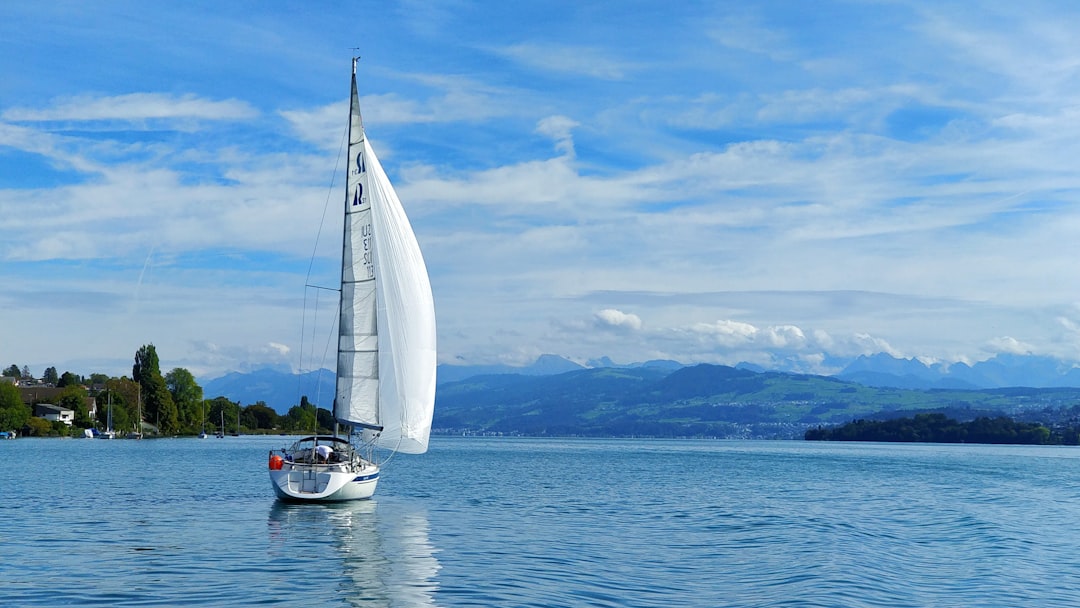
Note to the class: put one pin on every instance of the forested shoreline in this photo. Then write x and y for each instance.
(938, 428)
(170, 404)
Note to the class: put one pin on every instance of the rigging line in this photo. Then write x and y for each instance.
(303, 332)
(329, 338)
(326, 349)
(318, 375)
(300, 363)
(311, 262)
(330, 335)
(394, 452)
(326, 206)
(314, 327)
(311, 358)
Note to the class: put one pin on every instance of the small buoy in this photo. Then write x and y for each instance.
(276, 462)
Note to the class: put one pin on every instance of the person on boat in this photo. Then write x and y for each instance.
(324, 452)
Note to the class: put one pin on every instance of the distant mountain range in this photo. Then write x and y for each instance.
(558, 396)
(545, 365)
(999, 372)
(711, 401)
(281, 389)
(276, 388)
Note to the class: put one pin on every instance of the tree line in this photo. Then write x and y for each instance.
(938, 428)
(172, 403)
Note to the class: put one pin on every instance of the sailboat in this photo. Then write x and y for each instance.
(138, 432)
(385, 392)
(108, 433)
(202, 410)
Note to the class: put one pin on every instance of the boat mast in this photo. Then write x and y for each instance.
(356, 396)
(344, 245)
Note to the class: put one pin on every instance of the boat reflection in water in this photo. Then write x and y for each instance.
(368, 553)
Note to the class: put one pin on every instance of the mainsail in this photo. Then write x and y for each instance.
(386, 349)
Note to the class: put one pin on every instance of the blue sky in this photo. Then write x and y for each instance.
(784, 183)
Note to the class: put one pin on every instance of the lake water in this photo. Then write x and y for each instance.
(532, 522)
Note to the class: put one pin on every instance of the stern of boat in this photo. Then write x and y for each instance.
(294, 479)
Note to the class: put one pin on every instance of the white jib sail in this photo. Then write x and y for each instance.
(386, 353)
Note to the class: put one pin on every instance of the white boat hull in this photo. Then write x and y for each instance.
(322, 469)
(307, 483)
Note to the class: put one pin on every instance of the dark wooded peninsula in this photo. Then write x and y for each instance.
(938, 428)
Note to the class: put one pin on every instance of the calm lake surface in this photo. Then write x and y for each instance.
(545, 522)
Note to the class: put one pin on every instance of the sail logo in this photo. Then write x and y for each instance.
(359, 169)
(368, 259)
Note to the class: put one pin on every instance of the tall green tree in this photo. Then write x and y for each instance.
(303, 417)
(12, 370)
(188, 397)
(112, 398)
(146, 364)
(159, 402)
(69, 379)
(158, 406)
(74, 398)
(325, 418)
(50, 376)
(26, 372)
(126, 393)
(219, 409)
(39, 427)
(259, 416)
(14, 414)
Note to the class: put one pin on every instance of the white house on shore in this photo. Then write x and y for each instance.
(55, 413)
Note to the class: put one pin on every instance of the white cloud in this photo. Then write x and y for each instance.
(574, 60)
(134, 107)
(784, 337)
(869, 345)
(1010, 345)
(559, 128)
(322, 126)
(448, 100)
(612, 318)
(726, 333)
(852, 198)
(745, 33)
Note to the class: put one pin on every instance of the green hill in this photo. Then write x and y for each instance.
(704, 400)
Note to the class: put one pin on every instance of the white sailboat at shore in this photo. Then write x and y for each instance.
(108, 433)
(202, 412)
(386, 344)
(137, 433)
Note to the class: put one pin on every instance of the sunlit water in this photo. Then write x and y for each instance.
(501, 522)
